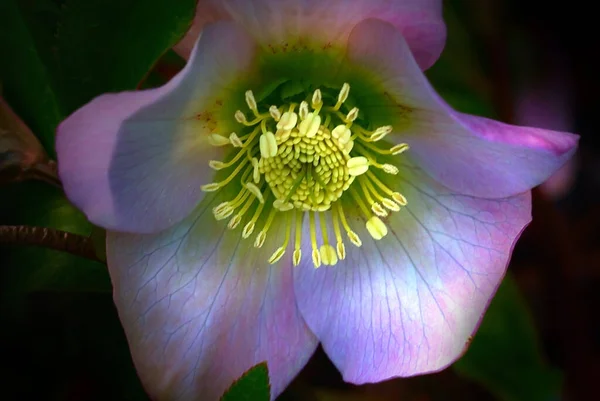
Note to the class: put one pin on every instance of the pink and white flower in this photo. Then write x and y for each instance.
(301, 134)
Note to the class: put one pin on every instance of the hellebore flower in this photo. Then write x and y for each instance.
(301, 134)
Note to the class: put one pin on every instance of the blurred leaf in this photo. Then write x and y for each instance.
(26, 72)
(165, 68)
(26, 269)
(63, 53)
(252, 386)
(458, 75)
(21, 154)
(505, 356)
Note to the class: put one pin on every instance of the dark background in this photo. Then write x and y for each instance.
(521, 61)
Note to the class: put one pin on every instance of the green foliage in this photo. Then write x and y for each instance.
(61, 54)
(26, 269)
(252, 386)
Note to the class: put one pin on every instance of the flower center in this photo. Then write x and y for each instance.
(315, 157)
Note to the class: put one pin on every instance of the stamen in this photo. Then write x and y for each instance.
(328, 255)
(297, 257)
(262, 235)
(275, 113)
(309, 162)
(343, 96)
(316, 256)
(381, 133)
(341, 249)
(235, 140)
(281, 250)
(217, 140)
(288, 121)
(376, 228)
(352, 115)
(251, 102)
(398, 149)
(352, 236)
(317, 99)
(249, 227)
(268, 145)
(358, 165)
(240, 117)
(309, 126)
(303, 110)
(255, 191)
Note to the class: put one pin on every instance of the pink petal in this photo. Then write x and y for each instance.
(470, 155)
(407, 304)
(135, 161)
(200, 306)
(275, 22)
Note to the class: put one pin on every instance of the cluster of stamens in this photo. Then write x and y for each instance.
(303, 162)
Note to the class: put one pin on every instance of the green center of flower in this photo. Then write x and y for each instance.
(306, 161)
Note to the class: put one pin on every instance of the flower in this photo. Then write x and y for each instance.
(301, 133)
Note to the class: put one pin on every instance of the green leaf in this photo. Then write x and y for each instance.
(27, 75)
(252, 386)
(26, 269)
(63, 53)
(505, 355)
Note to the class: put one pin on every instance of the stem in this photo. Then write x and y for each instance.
(49, 238)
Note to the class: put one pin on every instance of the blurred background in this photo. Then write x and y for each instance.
(520, 61)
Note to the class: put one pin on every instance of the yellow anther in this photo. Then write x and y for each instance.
(357, 165)
(317, 99)
(328, 255)
(352, 115)
(390, 169)
(342, 134)
(235, 221)
(212, 187)
(396, 150)
(341, 250)
(235, 140)
(221, 206)
(388, 203)
(282, 206)
(303, 111)
(255, 191)
(262, 235)
(316, 258)
(310, 125)
(309, 165)
(223, 213)
(268, 145)
(348, 147)
(343, 96)
(218, 140)
(248, 229)
(379, 210)
(381, 133)
(255, 170)
(297, 256)
(298, 238)
(354, 238)
(240, 117)
(216, 165)
(399, 198)
(376, 228)
(260, 239)
(275, 113)
(251, 102)
(277, 255)
(288, 121)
